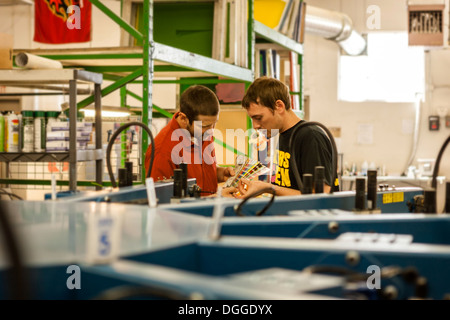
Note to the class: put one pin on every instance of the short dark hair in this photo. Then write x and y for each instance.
(199, 100)
(266, 91)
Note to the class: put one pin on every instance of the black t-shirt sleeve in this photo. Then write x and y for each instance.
(313, 148)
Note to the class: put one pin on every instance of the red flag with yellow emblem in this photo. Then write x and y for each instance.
(62, 21)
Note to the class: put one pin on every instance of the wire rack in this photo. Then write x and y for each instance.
(33, 180)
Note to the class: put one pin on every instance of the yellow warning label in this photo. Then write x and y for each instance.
(398, 197)
(387, 198)
(393, 197)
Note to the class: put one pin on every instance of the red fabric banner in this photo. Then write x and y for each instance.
(62, 21)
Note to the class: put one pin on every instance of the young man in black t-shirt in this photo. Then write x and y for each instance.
(268, 104)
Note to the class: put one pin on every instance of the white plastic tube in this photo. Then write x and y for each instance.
(32, 61)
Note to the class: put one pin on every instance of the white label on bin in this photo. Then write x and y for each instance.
(103, 237)
(151, 194)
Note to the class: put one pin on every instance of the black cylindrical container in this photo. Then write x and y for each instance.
(360, 195)
(319, 178)
(183, 167)
(307, 183)
(447, 197)
(429, 201)
(123, 177)
(371, 189)
(129, 167)
(177, 183)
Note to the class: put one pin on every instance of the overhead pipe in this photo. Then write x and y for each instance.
(335, 26)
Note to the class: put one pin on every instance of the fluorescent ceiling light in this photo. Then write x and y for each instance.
(107, 112)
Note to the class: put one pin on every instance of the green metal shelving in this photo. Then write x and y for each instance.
(124, 65)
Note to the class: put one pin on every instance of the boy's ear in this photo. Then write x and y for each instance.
(279, 106)
(183, 120)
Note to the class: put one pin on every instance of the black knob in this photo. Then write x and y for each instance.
(319, 178)
(129, 169)
(184, 169)
(307, 183)
(429, 201)
(123, 181)
(360, 195)
(177, 183)
(371, 189)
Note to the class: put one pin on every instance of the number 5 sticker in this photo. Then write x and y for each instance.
(103, 235)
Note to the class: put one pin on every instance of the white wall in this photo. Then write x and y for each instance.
(392, 144)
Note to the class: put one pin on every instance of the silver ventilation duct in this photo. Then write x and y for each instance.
(335, 26)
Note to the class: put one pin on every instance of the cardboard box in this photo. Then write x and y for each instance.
(6, 51)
